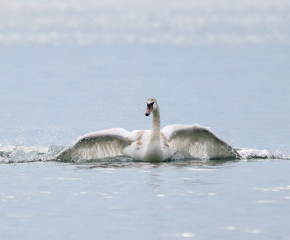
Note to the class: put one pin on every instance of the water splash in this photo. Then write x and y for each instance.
(21, 154)
(247, 153)
(18, 154)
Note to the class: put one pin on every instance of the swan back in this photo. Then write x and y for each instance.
(139, 141)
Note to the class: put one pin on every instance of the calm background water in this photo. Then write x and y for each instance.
(53, 95)
(57, 94)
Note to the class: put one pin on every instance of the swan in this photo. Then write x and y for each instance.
(193, 141)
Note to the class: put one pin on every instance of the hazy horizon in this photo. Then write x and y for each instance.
(125, 22)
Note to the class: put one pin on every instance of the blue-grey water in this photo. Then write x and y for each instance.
(51, 96)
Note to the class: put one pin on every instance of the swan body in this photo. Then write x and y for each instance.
(153, 145)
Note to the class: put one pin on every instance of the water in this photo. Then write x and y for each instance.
(217, 200)
(50, 96)
(166, 22)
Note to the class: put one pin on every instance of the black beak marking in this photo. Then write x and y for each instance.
(150, 105)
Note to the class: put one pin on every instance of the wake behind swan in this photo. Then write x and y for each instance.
(155, 145)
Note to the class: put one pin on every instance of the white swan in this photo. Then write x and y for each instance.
(192, 141)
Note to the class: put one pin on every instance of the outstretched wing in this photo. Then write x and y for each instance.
(199, 142)
(102, 144)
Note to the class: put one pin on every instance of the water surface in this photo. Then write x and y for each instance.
(50, 96)
(213, 200)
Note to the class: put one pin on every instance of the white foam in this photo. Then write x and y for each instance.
(263, 154)
(14, 154)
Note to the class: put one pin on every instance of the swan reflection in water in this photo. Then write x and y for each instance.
(188, 163)
(155, 145)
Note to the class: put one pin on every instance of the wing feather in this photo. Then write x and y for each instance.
(198, 142)
(102, 144)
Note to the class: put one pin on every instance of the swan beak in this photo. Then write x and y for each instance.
(149, 109)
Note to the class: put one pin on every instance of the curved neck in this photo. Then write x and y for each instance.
(155, 130)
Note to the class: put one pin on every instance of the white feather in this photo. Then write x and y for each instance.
(150, 145)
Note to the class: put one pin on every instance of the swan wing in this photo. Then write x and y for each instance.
(198, 142)
(101, 144)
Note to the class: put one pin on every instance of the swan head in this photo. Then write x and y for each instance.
(151, 106)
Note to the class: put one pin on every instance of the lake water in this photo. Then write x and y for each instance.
(51, 96)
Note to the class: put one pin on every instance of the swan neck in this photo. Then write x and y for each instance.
(155, 130)
(154, 152)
